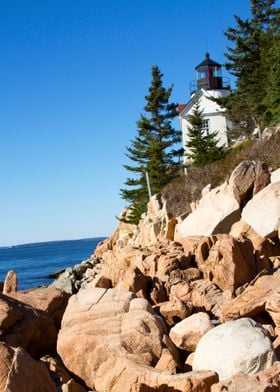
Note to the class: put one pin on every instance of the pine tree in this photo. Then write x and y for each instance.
(272, 98)
(153, 150)
(247, 106)
(203, 147)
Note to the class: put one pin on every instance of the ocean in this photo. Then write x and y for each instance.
(34, 262)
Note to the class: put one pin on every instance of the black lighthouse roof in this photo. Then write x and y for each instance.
(207, 61)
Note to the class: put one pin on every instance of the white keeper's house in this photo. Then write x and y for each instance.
(209, 83)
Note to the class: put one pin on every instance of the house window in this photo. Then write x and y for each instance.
(205, 127)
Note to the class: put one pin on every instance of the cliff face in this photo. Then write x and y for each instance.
(223, 205)
(216, 263)
(186, 303)
(227, 210)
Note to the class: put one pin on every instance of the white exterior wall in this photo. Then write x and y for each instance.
(212, 112)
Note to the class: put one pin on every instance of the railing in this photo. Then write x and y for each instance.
(226, 83)
(195, 84)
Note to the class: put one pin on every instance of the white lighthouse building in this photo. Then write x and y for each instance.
(209, 83)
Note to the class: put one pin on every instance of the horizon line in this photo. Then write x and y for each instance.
(50, 241)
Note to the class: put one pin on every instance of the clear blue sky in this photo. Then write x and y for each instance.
(73, 79)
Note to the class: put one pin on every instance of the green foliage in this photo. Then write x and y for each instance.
(153, 150)
(272, 98)
(253, 59)
(203, 147)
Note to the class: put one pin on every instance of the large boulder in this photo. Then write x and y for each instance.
(206, 295)
(99, 324)
(272, 306)
(123, 375)
(236, 346)
(181, 291)
(157, 224)
(227, 261)
(120, 238)
(262, 212)
(220, 208)
(117, 260)
(167, 362)
(264, 381)
(134, 280)
(216, 213)
(18, 372)
(197, 247)
(24, 326)
(253, 300)
(264, 248)
(174, 310)
(231, 263)
(248, 178)
(275, 176)
(164, 259)
(48, 299)
(125, 230)
(187, 333)
(10, 283)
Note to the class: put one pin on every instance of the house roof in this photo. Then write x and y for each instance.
(181, 107)
(185, 107)
(207, 61)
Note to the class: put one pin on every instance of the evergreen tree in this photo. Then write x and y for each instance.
(247, 60)
(153, 150)
(272, 98)
(203, 147)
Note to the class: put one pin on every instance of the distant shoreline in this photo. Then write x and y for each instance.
(50, 242)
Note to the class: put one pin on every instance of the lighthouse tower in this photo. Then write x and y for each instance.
(209, 83)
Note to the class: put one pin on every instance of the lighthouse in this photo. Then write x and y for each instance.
(209, 83)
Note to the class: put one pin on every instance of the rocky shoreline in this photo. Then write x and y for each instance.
(186, 303)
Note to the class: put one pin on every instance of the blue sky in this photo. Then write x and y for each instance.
(73, 79)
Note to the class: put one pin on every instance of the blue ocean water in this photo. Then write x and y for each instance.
(34, 262)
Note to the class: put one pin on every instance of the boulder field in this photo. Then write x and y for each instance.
(186, 303)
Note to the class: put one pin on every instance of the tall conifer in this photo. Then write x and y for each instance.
(154, 149)
(272, 64)
(247, 60)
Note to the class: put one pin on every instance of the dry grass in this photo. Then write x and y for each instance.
(185, 189)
